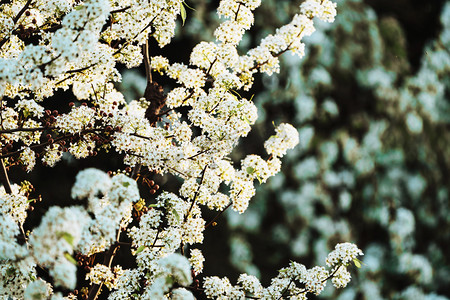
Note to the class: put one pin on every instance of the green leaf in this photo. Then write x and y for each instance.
(70, 258)
(68, 237)
(357, 263)
(153, 205)
(259, 179)
(250, 170)
(169, 280)
(183, 12)
(175, 213)
(140, 249)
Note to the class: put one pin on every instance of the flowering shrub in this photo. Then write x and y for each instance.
(372, 165)
(187, 134)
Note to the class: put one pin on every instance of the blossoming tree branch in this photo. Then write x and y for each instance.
(50, 45)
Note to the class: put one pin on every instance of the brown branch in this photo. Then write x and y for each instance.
(147, 61)
(196, 194)
(4, 178)
(120, 10)
(55, 141)
(22, 11)
(218, 215)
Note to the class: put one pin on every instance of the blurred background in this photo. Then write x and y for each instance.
(371, 101)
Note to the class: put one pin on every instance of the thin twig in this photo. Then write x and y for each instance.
(4, 178)
(196, 194)
(107, 261)
(218, 215)
(147, 62)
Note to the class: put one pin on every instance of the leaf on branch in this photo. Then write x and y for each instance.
(67, 236)
(140, 249)
(259, 179)
(357, 263)
(175, 213)
(183, 12)
(70, 258)
(169, 280)
(250, 170)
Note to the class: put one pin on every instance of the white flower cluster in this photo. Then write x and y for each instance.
(56, 237)
(286, 137)
(103, 274)
(77, 120)
(196, 260)
(240, 17)
(14, 205)
(323, 9)
(293, 282)
(343, 254)
(110, 200)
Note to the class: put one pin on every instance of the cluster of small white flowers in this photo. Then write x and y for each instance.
(9, 250)
(14, 277)
(123, 189)
(30, 108)
(178, 267)
(182, 294)
(52, 155)
(77, 120)
(241, 19)
(241, 192)
(30, 137)
(15, 204)
(126, 284)
(91, 183)
(255, 167)
(315, 279)
(81, 149)
(112, 211)
(57, 235)
(38, 289)
(286, 137)
(196, 260)
(9, 119)
(103, 274)
(343, 254)
(323, 9)
(341, 278)
(250, 284)
(193, 230)
(285, 284)
(216, 287)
